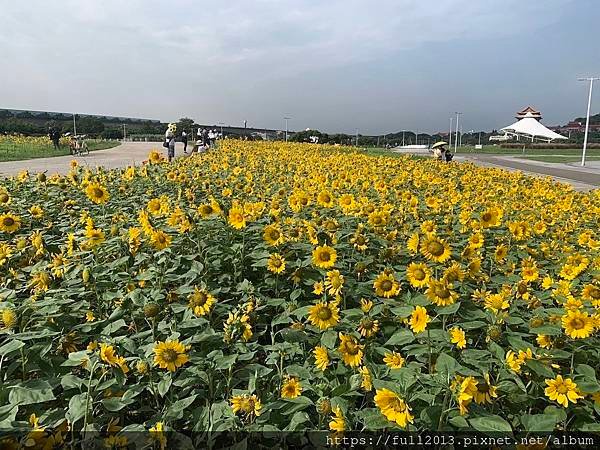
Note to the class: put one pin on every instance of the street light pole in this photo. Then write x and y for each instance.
(357, 137)
(221, 123)
(458, 114)
(450, 133)
(74, 126)
(587, 120)
(286, 128)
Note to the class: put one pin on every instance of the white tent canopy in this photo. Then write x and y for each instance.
(530, 127)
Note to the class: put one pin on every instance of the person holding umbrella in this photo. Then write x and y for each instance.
(441, 152)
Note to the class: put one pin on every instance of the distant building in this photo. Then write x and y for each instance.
(529, 112)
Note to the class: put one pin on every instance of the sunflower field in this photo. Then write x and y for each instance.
(283, 287)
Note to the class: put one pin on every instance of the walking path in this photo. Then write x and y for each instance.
(126, 154)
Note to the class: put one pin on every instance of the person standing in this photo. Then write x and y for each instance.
(184, 139)
(56, 139)
(170, 141)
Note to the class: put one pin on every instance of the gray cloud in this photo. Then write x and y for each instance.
(326, 62)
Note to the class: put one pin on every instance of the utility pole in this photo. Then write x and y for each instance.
(587, 120)
(450, 134)
(74, 126)
(458, 114)
(286, 127)
(221, 123)
(357, 137)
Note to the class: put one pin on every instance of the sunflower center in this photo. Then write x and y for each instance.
(442, 292)
(8, 221)
(435, 248)
(351, 348)
(3, 198)
(419, 274)
(207, 209)
(486, 217)
(562, 388)
(324, 256)
(200, 299)
(360, 240)
(484, 388)
(578, 324)
(276, 262)
(170, 355)
(595, 293)
(386, 285)
(274, 235)
(98, 193)
(325, 313)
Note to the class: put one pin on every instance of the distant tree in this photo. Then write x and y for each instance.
(185, 124)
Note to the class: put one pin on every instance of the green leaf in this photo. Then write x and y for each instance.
(298, 419)
(77, 406)
(11, 346)
(114, 404)
(450, 309)
(164, 385)
(473, 325)
(328, 339)
(296, 404)
(446, 366)
(587, 371)
(539, 422)
(175, 411)
(540, 368)
(401, 337)
(114, 326)
(491, 423)
(30, 393)
(225, 362)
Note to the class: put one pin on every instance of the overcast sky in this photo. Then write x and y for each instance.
(336, 65)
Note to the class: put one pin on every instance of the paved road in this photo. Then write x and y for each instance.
(582, 178)
(126, 154)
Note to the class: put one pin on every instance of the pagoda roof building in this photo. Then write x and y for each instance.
(529, 112)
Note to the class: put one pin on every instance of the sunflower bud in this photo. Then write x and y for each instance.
(41, 177)
(86, 275)
(151, 310)
(536, 322)
(324, 406)
(141, 367)
(494, 332)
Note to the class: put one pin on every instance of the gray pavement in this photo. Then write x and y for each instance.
(126, 154)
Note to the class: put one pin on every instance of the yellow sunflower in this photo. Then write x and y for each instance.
(337, 424)
(236, 218)
(562, 390)
(324, 257)
(440, 293)
(321, 357)
(436, 249)
(272, 235)
(419, 319)
(386, 285)
(393, 407)
(418, 274)
(246, 405)
(486, 391)
(97, 193)
(170, 355)
(351, 350)
(334, 282)
(201, 302)
(324, 315)
(160, 240)
(393, 360)
(9, 223)
(578, 324)
(276, 263)
(291, 387)
(457, 336)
